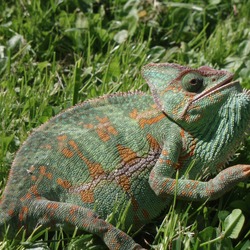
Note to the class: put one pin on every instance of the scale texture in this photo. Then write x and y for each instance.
(122, 152)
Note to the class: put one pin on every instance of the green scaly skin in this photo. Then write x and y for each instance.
(124, 150)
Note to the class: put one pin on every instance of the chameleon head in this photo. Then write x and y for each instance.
(188, 95)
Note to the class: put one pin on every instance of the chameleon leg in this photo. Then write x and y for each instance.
(198, 190)
(51, 213)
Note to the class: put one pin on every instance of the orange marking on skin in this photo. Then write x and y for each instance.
(61, 141)
(133, 114)
(150, 113)
(165, 184)
(192, 148)
(102, 135)
(87, 196)
(73, 219)
(170, 163)
(104, 129)
(49, 176)
(112, 130)
(182, 133)
(11, 212)
(102, 120)
(153, 143)
(90, 214)
(23, 213)
(33, 178)
(43, 172)
(154, 106)
(72, 213)
(135, 204)
(179, 107)
(73, 145)
(34, 191)
(127, 155)
(146, 117)
(63, 183)
(52, 206)
(190, 153)
(73, 209)
(114, 243)
(173, 87)
(165, 152)
(188, 117)
(26, 197)
(124, 182)
(95, 220)
(95, 169)
(178, 165)
(184, 193)
(67, 153)
(149, 121)
(62, 137)
(222, 178)
(145, 214)
(88, 126)
(195, 184)
(172, 185)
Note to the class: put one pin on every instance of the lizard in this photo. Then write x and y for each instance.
(125, 150)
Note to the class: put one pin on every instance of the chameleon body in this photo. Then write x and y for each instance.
(124, 151)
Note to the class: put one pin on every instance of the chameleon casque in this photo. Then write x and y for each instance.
(124, 150)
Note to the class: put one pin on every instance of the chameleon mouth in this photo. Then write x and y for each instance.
(218, 87)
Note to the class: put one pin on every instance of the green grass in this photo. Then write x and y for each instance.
(54, 54)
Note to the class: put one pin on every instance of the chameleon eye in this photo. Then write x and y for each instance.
(192, 82)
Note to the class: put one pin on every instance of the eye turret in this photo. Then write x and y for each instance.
(192, 82)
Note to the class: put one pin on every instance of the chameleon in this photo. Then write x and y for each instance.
(126, 150)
